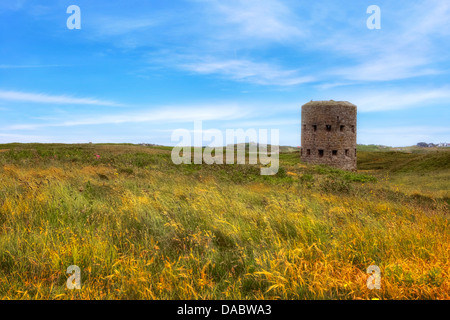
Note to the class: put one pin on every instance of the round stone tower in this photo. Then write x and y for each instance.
(329, 134)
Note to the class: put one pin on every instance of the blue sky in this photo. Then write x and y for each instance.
(137, 70)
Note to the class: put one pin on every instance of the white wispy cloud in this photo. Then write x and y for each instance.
(12, 5)
(54, 99)
(206, 37)
(265, 123)
(431, 18)
(386, 100)
(24, 66)
(9, 137)
(420, 130)
(254, 19)
(115, 26)
(404, 135)
(410, 47)
(166, 114)
(245, 25)
(387, 68)
(401, 50)
(248, 71)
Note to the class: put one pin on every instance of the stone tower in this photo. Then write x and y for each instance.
(329, 134)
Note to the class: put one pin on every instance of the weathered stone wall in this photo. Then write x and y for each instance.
(329, 133)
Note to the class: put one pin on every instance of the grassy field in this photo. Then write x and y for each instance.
(140, 227)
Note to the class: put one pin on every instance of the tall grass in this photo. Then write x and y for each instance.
(140, 227)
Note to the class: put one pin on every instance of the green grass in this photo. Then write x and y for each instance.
(404, 162)
(140, 227)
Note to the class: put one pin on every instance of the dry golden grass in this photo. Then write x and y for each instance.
(142, 228)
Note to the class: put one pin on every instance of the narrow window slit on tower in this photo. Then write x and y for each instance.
(314, 127)
(353, 129)
(335, 152)
(328, 126)
(346, 152)
(320, 153)
(308, 152)
(342, 128)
